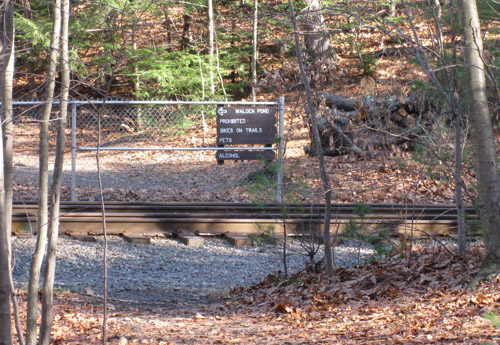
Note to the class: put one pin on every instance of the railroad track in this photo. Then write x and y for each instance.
(142, 218)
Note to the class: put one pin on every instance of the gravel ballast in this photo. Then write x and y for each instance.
(165, 271)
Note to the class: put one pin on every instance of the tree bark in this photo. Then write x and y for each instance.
(48, 289)
(327, 189)
(211, 35)
(8, 54)
(458, 117)
(31, 70)
(5, 328)
(486, 160)
(316, 36)
(437, 8)
(186, 38)
(255, 51)
(340, 102)
(457, 176)
(104, 227)
(43, 179)
(392, 8)
(168, 24)
(6, 49)
(137, 83)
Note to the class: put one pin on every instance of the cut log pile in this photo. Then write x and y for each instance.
(364, 126)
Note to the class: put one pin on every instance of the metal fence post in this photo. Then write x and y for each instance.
(73, 152)
(279, 174)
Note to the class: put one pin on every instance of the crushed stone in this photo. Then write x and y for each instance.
(167, 271)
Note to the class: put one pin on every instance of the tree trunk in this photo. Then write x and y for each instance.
(48, 289)
(458, 117)
(7, 50)
(137, 84)
(211, 34)
(29, 47)
(6, 64)
(43, 180)
(437, 8)
(486, 160)
(316, 36)
(7, 77)
(5, 328)
(327, 189)
(186, 38)
(392, 8)
(457, 176)
(104, 227)
(8, 55)
(255, 51)
(168, 24)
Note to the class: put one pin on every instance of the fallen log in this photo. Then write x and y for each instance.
(349, 125)
(339, 102)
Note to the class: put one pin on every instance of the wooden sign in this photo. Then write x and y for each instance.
(246, 125)
(245, 155)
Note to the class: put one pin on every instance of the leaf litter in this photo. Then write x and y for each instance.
(422, 299)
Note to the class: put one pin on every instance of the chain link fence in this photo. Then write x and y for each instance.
(145, 126)
(149, 151)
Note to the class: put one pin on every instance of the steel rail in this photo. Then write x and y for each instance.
(237, 208)
(239, 218)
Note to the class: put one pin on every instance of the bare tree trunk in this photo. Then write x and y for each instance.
(458, 117)
(217, 67)
(29, 47)
(486, 159)
(8, 56)
(392, 8)
(255, 51)
(211, 34)
(7, 78)
(168, 24)
(53, 232)
(437, 8)
(458, 186)
(103, 212)
(203, 99)
(316, 36)
(134, 47)
(327, 189)
(104, 230)
(43, 179)
(285, 253)
(137, 83)
(5, 328)
(186, 38)
(6, 44)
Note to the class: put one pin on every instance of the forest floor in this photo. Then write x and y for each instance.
(401, 300)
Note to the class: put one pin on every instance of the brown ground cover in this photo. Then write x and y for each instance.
(421, 300)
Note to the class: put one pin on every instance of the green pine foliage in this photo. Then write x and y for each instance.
(35, 32)
(174, 74)
(358, 230)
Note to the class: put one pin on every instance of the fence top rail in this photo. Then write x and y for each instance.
(159, 148)
(134, 102)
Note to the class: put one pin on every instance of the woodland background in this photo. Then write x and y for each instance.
(389, 88)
